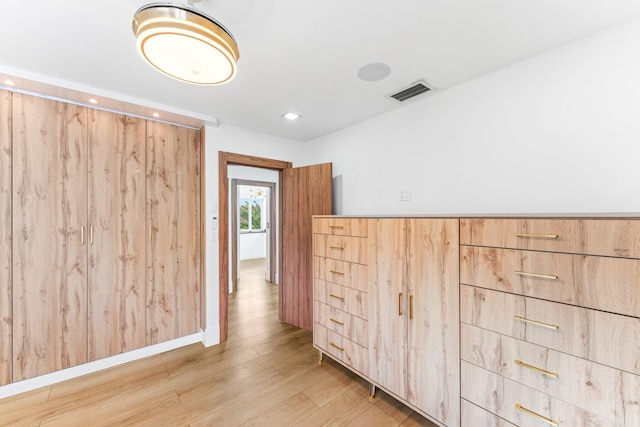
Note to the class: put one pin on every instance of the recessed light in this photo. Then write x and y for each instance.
(290, 115)
(93, 100)
(9, 82)
(156, 115)
(374, 72)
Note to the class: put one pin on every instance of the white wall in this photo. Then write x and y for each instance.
(559, 132)
(233, 140)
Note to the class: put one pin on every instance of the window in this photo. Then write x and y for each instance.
(251, 214)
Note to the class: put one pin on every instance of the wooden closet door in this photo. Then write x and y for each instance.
(433, 378)
(50, 259)
(173, 247)
(388, 308)
(5, 238)
(116, 234)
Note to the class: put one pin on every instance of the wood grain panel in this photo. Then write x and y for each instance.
(596, 282)
(608, 237)
(474, 416)
(49, 209)
(6, 317)
(340, 226)
(388, 303)
(117, 235)
(307, 191)
(344, 248)
(343, 273)
(350, 353)
(433, 373)
(347, 299)
(173, 248)
(341, 322)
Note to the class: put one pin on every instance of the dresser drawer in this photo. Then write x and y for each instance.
(609, 237)
(590, 334)
(341, 226)
(343, 248)
(604, 283)
(474, 416)
(607, 392)
(343, 273)
(341, 348)
(343, 323)
(502, 397)
(346, 299)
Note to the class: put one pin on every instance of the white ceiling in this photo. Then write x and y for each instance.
(298, 55)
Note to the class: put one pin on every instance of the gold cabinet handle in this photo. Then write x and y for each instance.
(337, 321)
(535, 368)
(91, 234)
(150, 233)
(536, 236)
(337, 227)
(338, 248)
(410, 306)
(336, 297)
(400, 304)
(535, 322)
(336, 346)
(336, 272)
(542, 276)
(536, 415)
(82, 235)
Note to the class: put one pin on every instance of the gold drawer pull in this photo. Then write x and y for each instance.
(338, 248)
(542, 276)
(535, 322)
(336, 272)
(336, 297)
(337, 227)
(337, 321)
(411, 307)
(400, 304)
(536, 415)
(534, 368)
(336, 346)
(536, 236)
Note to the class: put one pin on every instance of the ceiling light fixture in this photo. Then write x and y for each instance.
(185, 44)
(290, 115)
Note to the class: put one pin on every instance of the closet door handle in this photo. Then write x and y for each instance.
(536, 236)
(411, 307)
(535, 322)
(150, 233)
(400, 304)
(82, 234)
(91, 234)
(542, 276)
(536, 415)
(536, 369)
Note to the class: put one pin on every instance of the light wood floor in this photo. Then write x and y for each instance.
(265, 375)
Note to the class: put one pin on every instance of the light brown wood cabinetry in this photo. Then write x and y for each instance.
(173, 248)
(49, 223)
(6, 320)
(116, 233)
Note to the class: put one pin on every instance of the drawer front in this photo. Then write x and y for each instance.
(501, 396)
(603, 283)
(346, 299)
(348, 326)
(582, 332)
(610, 393)
(609, 237)
(341, 226)
(341, 348)
(475, 416)
(343, 248)
(341, 272)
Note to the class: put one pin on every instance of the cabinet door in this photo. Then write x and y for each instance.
(433, 341)
(173, 247)
(5, 238)
(117, 233)
(388, 304)
(49, 254)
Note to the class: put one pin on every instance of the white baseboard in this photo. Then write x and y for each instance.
(211, 336)
(109, 362)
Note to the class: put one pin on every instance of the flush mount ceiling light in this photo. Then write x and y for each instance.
(185, 43)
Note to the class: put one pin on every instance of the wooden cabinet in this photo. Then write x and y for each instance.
(49, 223)
(6, 320)
(550, 319)
(413, 317)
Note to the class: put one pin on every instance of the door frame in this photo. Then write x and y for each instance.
(235, 183)
(224, 160)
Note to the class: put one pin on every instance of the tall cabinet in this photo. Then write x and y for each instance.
(99, 237)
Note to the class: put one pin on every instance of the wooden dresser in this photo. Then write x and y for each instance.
(550, 327)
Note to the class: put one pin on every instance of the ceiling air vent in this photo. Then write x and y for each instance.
(412, 91)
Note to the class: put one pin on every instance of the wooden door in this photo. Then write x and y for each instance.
(49, 251)
(388, 304)
(433, 377)
(173, 246)
(117, 235)
(5, 238)
(307, 191)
